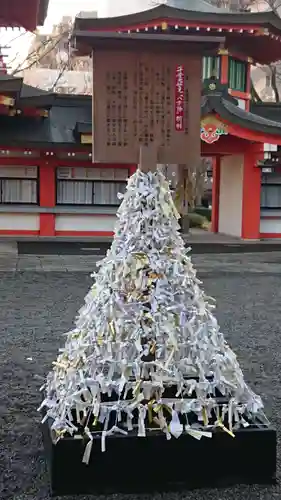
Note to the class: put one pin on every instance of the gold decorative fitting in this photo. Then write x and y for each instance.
(223, 52)
(7, 101)
(86, 139)
(164, 26)
(250, 60)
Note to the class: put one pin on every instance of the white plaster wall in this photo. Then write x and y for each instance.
(272, 226)
(19, 222)
(85, 223)
(231, 189)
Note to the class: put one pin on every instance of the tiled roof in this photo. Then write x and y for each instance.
(70, 116)
(192, 10)
(226, 107)
(57, 129)
(26, 95)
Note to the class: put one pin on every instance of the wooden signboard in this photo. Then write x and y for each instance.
(143, 98)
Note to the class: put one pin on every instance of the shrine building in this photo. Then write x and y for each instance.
(53, 183)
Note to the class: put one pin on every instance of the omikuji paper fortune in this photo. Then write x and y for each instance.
(146, 327)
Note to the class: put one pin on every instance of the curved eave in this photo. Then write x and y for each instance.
(260, 48)
(10, 85)
(164, 12)
(42, 12)
(228, 111)
(85, 41)
(257, 35)
(48, 100)
(26, 14)
(242, 123)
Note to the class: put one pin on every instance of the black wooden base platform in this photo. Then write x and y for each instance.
(132, 464)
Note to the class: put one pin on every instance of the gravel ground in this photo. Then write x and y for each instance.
(36, 308)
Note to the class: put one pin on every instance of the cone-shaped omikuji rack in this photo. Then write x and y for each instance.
(146, 393)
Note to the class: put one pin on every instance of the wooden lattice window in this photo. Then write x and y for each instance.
(211, 67)
(237, 75)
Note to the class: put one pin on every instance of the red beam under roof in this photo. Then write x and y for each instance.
(26, 14)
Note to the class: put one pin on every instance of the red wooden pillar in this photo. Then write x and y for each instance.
(216, 194)
(224, 68)
(251, 194)
(47, 197)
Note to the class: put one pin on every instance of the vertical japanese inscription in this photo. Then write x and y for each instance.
(152, 102)
(143, 99)
(117, 129)
(179, 99)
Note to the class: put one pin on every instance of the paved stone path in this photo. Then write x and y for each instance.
(228, 263)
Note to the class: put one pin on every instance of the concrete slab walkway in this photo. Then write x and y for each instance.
(194, 236)
(68, 253)
(257, 262)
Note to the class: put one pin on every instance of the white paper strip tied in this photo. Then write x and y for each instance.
(146, 324)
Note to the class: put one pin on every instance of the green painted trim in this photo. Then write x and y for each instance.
(237, 75)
